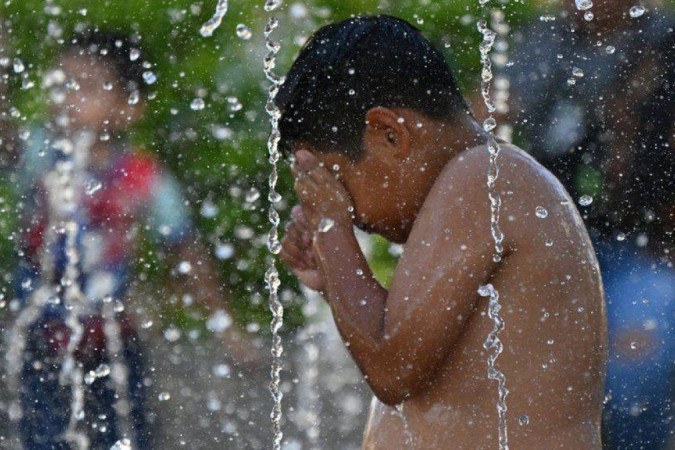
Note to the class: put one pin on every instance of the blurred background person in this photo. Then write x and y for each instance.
(119, 193)
(592, 97)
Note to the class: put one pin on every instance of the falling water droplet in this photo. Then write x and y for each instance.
(577, 72)
(243, 32)
(621, 237)
(164, 396)
(134, 97)
(214, 22)
(272, 5)
(18, 65)
(326, 224)
(224, 251)
(636, 11)
(610, 49)
(252, 195)
(541, 212)
(583, 5)
(197, 104)
(134, 54)
(149, 77)
(585, 200)
(123, 444)
(549, 243)
(523, 420)
(92, 186)
(588, 16)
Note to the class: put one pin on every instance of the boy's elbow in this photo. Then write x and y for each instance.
(388, 396)
(390, 386)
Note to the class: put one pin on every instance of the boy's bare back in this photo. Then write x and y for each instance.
(552, 303)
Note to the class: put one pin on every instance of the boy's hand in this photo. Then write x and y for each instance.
(298, 253)
(321, 195)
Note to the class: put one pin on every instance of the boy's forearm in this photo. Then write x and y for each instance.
(357, 300)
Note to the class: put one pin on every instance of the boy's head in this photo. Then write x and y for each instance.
(349, 67)
(376, 103)
(104, 80)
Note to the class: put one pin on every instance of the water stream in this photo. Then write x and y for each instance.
(492, 344)
(273, 244)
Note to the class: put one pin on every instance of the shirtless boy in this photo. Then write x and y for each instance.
(383, 140)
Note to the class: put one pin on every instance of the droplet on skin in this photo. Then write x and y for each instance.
(585, 200)
(541, 212)
(326, 224)
(636, 11)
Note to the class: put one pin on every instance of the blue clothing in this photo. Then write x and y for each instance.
(640, 382)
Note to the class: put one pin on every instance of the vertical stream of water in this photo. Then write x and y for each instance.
(492, 344)
(273, 244)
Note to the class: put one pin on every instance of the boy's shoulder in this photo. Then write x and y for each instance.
(460, 197)
(467, 172)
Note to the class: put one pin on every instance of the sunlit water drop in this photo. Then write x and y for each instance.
(585, 200)
(541, 212)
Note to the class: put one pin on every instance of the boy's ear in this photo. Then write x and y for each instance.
(386, 132)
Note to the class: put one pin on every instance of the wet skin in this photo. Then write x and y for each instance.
(423, 183)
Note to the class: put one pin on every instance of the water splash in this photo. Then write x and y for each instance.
(214, 22)
(494, 344)
(406, 426)
(119, 372)
(272, 275)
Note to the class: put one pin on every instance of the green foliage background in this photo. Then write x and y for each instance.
(188, 65)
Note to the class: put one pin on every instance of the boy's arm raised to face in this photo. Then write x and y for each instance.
(401, 337)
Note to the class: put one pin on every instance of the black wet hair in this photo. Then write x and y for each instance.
(349, 67)
(113, 47)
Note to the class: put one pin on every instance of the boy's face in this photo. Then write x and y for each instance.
(95, 98)
(382, 198)
(403, 153)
